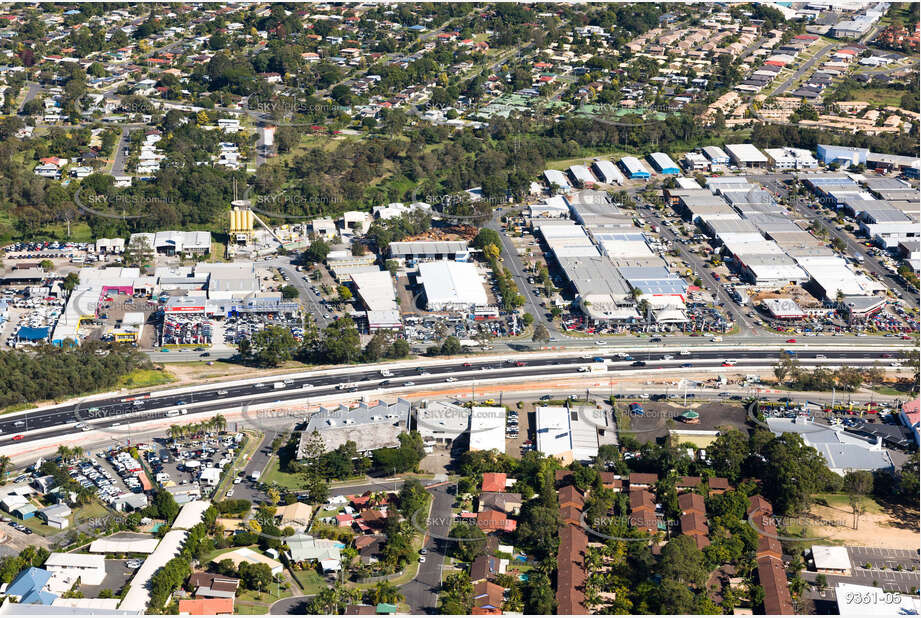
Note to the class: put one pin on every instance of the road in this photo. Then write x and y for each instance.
(746, 328)
(309, 300)
(421, 593)
(114, 410)
(121, 159)
(31, 93)
(513, 262)
(800, 71)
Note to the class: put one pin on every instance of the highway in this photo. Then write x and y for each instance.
(115, 410)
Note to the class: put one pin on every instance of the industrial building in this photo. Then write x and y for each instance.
(487, 429)
(746, 156)
(663, 163)
(452, 286)
(716, 155)
(791, 159)
(418, 250)
(607, 172)
(601, 291)
(634, 168)
(845, 156)
(176, 242)
(842, 451)
(570, 434)
(556, 180)
(375, 290)
(581, 176)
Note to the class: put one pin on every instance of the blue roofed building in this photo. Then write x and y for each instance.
(664, 163)
(634, 168)
(29, 586)
(842, 155)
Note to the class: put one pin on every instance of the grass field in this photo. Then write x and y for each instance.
(878, 96)
(143, 378)
(310, 581)
(274, 475)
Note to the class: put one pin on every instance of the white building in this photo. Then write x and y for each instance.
(791, 159)
(452, 286)
(487, 429)
(89, 568)
(607, 172)
(746, 155)
(581, 176)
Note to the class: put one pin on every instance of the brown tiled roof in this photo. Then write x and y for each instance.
(718, 482)
(360, 610)
(643, 478)
(570, 495)
(564, 477)
(758, 504)
(688, 481)
(645, 520)
(640, 499)
(773, 579)
(500, 500)
(694, 523)
(571, 575)
(701, 541)
(570, 514)
(768, 545)
(488, 594)
(691, 502)
(479, 569)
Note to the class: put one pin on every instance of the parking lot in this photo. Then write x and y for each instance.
(652, 422)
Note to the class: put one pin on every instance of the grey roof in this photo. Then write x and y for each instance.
(753, 196)
(654, 280)
(732, 226)
(770, 223)
(594, 275)
(370, 427)
(427, 247)
(841, 451)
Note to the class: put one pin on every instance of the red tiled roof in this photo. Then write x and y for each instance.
(206, 607)
(571, 575)
(494, 481)
(773, 579)
(691, 503)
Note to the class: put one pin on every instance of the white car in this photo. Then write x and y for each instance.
(451, 379)
(229, 493)
(668, 357)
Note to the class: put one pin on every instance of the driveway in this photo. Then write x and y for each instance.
(422, 592)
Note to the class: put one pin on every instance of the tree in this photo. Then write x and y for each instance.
(386, 592)
(682, 562)
(472, 543)
(165, 506)
(289, 292)
(317, 251)
(341, 342)
(138, 252)
(272, 346)
(728, 452)
(541, 334)
(46, 265)
(527, 319)
(345, 294)
(485, 237)
(457, 594)
(539, 599)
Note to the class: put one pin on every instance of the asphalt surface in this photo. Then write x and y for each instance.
(421, 593)
(800, 71)
(111, 411)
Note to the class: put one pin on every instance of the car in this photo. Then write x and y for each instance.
(18, 437)
(467, 365)
(421, 559)
(450, 379)
(164, 349)
(423, 551)
(205, 354)
(638, 363)
(229, 493)
(729, 363)
(519, 363)
(410, 383)
(545, 397)
(791, 340)
(222, 392)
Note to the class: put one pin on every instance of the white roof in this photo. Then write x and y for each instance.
(449, 282)
(581, 173)
(83, 561)
(746, 153)
(831, 557)
(376, 290)
(609, 172)
(124, 545)
(553, 436)
(138, 595)
(487, 429)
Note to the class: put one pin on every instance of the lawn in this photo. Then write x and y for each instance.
(79, 232)
(251, 442)
(310, 581)
(841, 501)
(274, 476)
(878, 96)
(17, 407)
(144, 378)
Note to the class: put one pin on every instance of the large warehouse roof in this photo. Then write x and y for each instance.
(427, 247)
(376, 290)
(746, 153)
(452, 283)
(487, 429)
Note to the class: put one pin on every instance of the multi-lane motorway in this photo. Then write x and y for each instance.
(107, 412)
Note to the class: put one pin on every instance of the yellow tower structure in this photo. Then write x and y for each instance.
(241, 222)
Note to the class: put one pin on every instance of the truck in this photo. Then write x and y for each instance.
(278, 385)
(386, 373)
(344, 386)
(254, 475)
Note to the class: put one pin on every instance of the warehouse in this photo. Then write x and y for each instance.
(716, 155)
(417, 250)
(607, 172)
(580, 176)
(769, 269)
(556, 181)
(831, 275)
(554, 207)
(90, 569)
(791, 159)
(623, 245)
(842, 155)
(735, 231)
(696, 162)
(369, 427)
(634, 168)
(783, 309)
(746, 156)
(176, 242)
(487, 429)
(567, 239)
(568, 434)
(601, 291)
(888, 162)
(452, 286)
(663, 163)
(375, 289)
(753, 201)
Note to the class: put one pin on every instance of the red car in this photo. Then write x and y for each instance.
(467, 365)
(791, 340)
(19, 437)
(519, 364)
